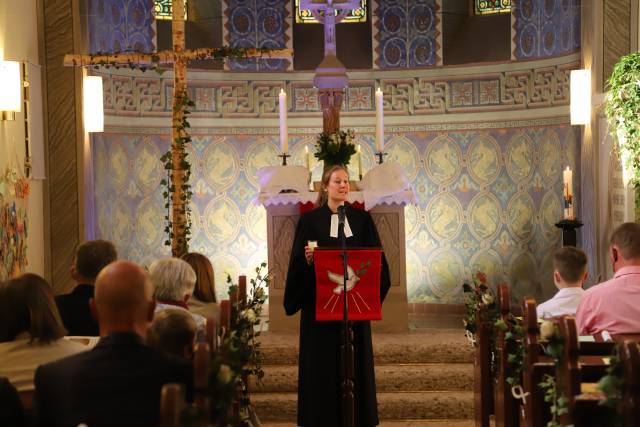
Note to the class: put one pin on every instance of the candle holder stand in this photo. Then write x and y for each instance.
(569, 227)
(380, 156)
(284, 158)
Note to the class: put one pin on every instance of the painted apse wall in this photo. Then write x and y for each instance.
(483, 146)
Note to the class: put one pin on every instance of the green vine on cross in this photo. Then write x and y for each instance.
(182, 231)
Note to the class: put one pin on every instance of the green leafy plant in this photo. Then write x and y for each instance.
(514, 333)
(478, 299)
(559, 403)
(336, 148)
(168, 188)
(622, 108)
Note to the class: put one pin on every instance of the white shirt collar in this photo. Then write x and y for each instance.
(333, 232)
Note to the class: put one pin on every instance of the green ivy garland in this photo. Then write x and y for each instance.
(169, 188)
(622, 108)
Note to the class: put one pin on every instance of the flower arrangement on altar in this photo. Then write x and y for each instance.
(336, 148)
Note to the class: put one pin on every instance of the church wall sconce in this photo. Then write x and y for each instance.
(10, 89)
(580, 97)
(93, 104)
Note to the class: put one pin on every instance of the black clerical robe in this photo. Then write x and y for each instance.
(319, 383)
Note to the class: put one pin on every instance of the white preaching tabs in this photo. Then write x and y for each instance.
(333, 232)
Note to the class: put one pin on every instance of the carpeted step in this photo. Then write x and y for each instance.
(434, 405)
(421, 346)
(404, 377)
(403, 423)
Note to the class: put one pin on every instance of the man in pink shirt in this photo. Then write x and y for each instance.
(614, 306)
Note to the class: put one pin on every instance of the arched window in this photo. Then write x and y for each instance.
(355, 15)
(164, 9)
(484, 7)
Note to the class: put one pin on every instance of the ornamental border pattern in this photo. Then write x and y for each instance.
(528, 88)
(307, 130)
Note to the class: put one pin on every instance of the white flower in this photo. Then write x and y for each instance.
(250, 315)
(224, 374)
(547, 330)
(487, 298)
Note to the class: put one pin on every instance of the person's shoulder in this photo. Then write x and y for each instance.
(598, 289)
(357, 212)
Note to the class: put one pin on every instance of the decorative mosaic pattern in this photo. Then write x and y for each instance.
(407, 33)
(487, 200)
(543, 28)
(122, 25)
(507, 90)
(258, 23)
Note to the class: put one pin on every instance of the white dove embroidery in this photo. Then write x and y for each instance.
(338, 279)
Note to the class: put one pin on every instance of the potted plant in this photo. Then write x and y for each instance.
(336, 148)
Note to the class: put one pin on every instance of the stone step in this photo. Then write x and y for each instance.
(400, 423)
(424, 405)
(399, 377)
(420, 346)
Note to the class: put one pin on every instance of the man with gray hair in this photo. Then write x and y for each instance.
(174, 281)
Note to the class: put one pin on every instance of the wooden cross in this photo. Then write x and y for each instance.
(179, 57)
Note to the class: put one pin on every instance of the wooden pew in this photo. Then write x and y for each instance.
(225, 316)
(630, 358)
(201, 363)
(171, 404)
(534, 411)
(483, 378)
(506, 406)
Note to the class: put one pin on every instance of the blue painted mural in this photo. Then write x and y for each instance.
(545, 28)
(121, 26)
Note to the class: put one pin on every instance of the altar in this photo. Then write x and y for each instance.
(386, 208)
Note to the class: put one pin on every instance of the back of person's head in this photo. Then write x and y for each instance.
(123, 299)
(173, 278)
(173, 331)
(205, 289)
(626, 238)
(27, 305)
(92, 256)
(570, 263)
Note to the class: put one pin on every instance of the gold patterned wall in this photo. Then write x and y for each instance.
(487, 199)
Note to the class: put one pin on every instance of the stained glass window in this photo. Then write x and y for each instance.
(164, 9)
(355, 15)
(484, 7)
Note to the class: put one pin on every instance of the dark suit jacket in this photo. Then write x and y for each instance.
(75, 312)
(11, 411)
(117, 383)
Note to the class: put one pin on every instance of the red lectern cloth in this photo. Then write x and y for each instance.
(363, 286)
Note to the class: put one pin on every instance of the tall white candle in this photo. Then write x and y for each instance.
(567, 180)
(284, 136)
(379, 121)
(359, 161)
(306, 157)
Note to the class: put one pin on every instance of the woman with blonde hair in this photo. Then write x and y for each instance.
(203, 301)
(31, 330)
(319, 360)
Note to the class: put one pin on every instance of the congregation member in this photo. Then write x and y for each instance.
(31, 332)
(91, 257)
(203, 301)
(319, 385)
(614, 306)
(569, 274)
(173, 332)
(118, 383)
(174, 282)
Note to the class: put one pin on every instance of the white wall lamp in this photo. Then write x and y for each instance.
(10, 89)
(92, 104)
(580, 97)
